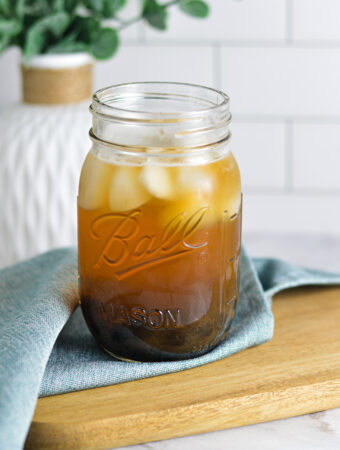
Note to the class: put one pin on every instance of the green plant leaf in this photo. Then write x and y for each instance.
(4, 42)
(104, 44)
(70, 5)
(94, 5)
(72, 47)
(36, 37)
(55, 23)
(58, 5)
(34, 43)
(155, 14)
(10, 27)
(37, 9)
(111, 7)
(71, 37)
(195, 8)
(5, 7)
(20, 8)
(68, 45)
(86, 28)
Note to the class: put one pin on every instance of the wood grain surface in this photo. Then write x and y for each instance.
(297, 372)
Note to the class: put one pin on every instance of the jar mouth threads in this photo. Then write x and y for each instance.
(165, 155)
(160, 115)
(133, 100)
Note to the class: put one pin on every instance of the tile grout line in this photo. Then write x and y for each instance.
(304, 192)
(237, 43)
(216, 65)
(289, 31)
(266, 118)
(289, 157)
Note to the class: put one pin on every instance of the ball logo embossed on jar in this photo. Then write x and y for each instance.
(127, 251)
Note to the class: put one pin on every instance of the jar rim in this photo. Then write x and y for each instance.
(104, 99)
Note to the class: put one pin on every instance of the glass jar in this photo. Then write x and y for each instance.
(159, 221)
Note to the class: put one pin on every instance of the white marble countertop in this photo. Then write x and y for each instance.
(318, 431)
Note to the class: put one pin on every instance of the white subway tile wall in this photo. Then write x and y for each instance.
(142, 62)
(316, 156)
(316, 20)
(279, 60)
(291, 213)
(282, 82)
(265, 149)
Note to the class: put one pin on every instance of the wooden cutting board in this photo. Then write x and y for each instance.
(297, 372)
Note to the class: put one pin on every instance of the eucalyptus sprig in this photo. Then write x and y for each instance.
(69, 26)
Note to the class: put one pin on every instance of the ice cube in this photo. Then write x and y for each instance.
(232, 204)
(93, 184)
(205, 188)
(126, 191)
(157, 181)
(194, 179)
(230, 186)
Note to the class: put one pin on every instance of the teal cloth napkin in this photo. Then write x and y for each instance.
(46, 350)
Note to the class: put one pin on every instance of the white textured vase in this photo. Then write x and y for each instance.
(41, 152)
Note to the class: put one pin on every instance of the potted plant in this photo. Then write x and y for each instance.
(44, 140)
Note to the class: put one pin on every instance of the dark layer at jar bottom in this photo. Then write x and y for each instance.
(137, 343)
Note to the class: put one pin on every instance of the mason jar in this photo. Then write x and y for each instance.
(159, 221)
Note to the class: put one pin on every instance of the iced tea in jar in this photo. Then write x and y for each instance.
(159, 221)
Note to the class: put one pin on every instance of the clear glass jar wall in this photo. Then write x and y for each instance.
(159, 221)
